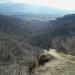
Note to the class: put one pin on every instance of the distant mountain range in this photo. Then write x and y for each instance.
(22, 8)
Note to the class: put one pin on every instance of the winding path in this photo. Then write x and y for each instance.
(57, 55)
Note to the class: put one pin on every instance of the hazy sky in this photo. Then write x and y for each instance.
(60, 4)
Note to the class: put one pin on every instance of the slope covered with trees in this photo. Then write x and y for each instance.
(58, 34)
(20, 39)
(62, 33)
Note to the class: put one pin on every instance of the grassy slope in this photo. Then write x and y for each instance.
(62, 65)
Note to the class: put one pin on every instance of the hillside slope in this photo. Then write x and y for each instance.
(58, 66)
(59, 34)
(15, 50)
(17, 55)
(63, 33)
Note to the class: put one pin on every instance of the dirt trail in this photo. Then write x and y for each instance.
(57, 55)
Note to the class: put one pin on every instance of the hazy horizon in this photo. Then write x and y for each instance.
(46, 7)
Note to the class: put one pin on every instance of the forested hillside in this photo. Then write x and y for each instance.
(22, 41)
(14, 45)
(58, 34)
(62, 32)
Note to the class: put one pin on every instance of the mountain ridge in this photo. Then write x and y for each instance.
(27, 8)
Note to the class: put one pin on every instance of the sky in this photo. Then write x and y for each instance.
(60, 4)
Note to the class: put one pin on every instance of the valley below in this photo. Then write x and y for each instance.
(37, 45)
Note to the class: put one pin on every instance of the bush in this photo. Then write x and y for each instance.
(44, 57)
(31, 66)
